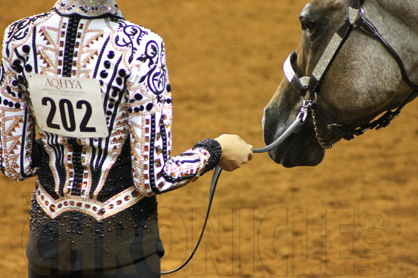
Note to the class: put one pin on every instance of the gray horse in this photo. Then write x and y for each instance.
(357, 59)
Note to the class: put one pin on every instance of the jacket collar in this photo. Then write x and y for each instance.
(87, 8)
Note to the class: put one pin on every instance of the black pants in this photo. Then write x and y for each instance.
(75, 245)
(144, 269)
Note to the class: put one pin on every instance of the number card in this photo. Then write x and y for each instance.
(71, 107)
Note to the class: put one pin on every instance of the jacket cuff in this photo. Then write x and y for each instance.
(215, 150)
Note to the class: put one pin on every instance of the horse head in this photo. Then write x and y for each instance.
(355, 61)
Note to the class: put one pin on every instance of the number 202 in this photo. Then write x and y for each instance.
(66, 110)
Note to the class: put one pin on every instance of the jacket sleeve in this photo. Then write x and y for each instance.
(17, 129)
(150, 108)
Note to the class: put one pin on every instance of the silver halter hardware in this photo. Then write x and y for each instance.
(305, 84)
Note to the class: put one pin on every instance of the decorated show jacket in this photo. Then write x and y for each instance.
(124, 154)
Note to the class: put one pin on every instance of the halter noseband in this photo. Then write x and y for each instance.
(304, 84)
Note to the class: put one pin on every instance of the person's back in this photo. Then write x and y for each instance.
(96, 87)
(128, 62)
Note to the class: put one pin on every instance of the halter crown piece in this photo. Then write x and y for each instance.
(312, 83)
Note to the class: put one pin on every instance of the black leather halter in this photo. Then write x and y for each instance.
(312, 83)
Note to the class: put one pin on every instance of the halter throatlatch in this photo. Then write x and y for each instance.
(312, 83)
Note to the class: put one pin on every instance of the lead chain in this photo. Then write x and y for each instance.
(319, 138)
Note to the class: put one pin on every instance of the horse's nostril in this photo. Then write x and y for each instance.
(267, 113)
(266, 117)
(269, 127)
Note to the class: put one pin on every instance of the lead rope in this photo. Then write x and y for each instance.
(299, 120)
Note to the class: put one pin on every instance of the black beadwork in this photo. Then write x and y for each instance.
(215, 150)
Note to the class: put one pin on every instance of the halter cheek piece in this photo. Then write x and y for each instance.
(311, 84)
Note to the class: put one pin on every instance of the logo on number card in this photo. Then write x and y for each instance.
(63, 83)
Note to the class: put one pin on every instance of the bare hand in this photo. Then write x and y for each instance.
(235, 152)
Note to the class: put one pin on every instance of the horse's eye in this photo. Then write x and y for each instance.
(307, 25)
